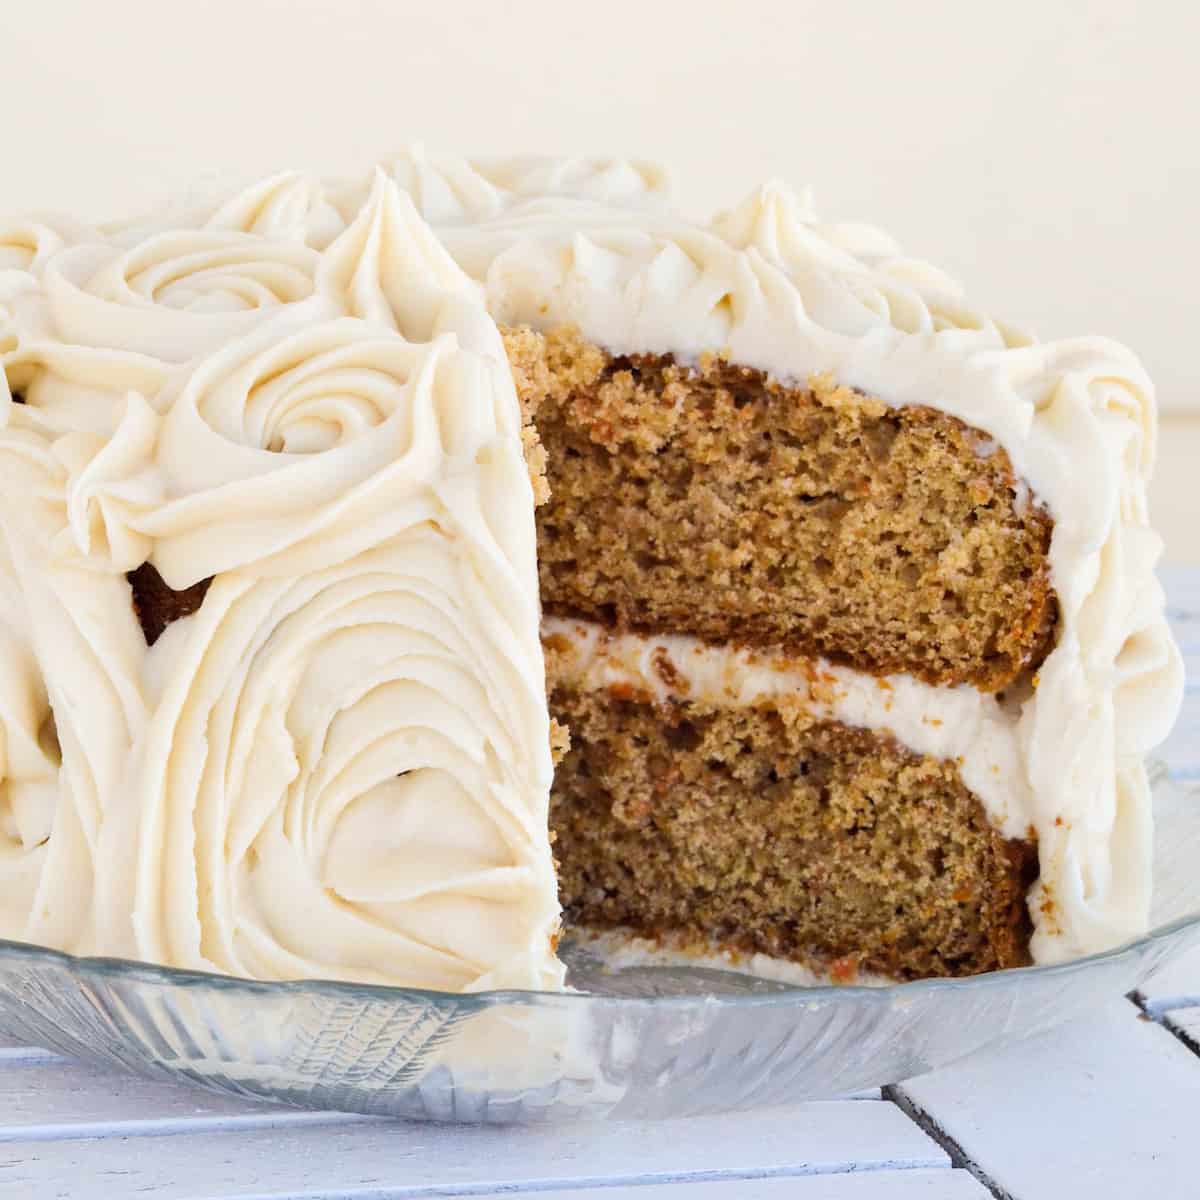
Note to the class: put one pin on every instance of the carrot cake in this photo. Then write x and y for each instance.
(336, 511)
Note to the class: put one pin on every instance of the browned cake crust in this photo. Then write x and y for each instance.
(761, 831)
(157, 605)
(718, 503)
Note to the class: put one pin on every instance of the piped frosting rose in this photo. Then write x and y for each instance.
(348, 760)
(175, 295)
(106, 320)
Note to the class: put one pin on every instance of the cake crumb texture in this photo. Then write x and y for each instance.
(158, 606)
(715, 501)
(760, 831)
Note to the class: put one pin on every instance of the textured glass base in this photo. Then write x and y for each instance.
(640, 1042)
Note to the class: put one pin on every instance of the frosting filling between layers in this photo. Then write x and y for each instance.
(978, 730)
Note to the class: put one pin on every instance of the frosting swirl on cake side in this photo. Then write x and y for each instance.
(291, 206)
(339, 765)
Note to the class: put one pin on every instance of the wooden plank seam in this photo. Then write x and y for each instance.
(932, 1128)
(1160, 1011)
(1186, 1036)
(1157, 1007)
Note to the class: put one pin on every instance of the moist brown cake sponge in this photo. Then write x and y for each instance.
(716, 502)
(754, 830)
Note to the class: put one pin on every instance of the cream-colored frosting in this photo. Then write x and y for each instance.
(339, 765)
(447, 188)
(298, 389)
(623, 949)
(770, 287)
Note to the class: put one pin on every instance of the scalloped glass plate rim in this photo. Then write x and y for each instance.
(154, 973)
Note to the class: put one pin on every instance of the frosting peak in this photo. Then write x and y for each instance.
(392, 270)
(447, 188)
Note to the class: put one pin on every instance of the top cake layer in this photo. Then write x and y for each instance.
(714, 501)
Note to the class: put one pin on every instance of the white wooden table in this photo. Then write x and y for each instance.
(1108, 1107)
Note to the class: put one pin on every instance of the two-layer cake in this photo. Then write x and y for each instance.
(845, 590)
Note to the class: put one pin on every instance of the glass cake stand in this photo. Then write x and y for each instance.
(631, 1043)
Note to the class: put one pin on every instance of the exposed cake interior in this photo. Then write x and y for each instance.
(756, 830)
(834, 534)
(714, 501)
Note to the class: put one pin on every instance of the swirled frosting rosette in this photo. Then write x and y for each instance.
(290, 206)
(339, 764)
(347, 765)
(104, 319)
(176, 294)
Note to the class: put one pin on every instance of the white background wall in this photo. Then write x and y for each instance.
(1047, 151)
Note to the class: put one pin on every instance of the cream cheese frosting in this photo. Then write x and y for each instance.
(339, 765)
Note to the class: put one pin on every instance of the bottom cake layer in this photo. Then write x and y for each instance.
(757, 829)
